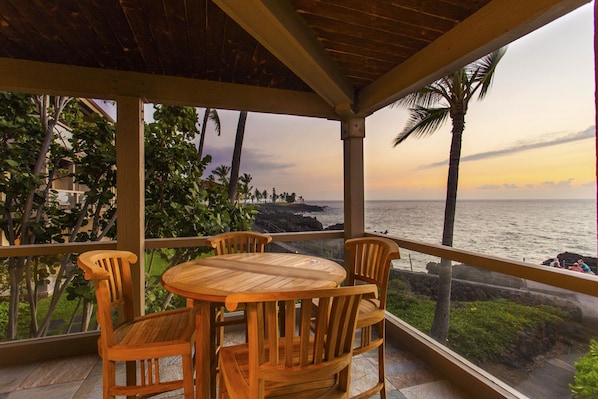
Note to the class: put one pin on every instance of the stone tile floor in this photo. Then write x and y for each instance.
(81, 378)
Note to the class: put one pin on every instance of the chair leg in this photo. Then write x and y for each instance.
(108, 378)
(381, 362)
(366, 340)
(131, 372)
(188, 376)
(216, 341)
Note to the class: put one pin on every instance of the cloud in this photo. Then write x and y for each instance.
(511, 186)
(253, 161)
(523, 145)
(564, 183)
(489, 187)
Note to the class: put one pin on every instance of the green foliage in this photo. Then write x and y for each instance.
(415, 310)
(482, 330)
(479, 330)
(586, 375)
(24, 318)
(80, 288)
(179, 202)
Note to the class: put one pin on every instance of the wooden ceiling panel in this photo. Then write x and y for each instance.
(107, 22)
(215, 27)
(197, 17)
(176, 37)
(343, 49)
(20, 26)
(140, 32)
(350, 28)
(67, 30)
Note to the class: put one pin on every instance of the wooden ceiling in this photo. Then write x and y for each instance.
(326, 58)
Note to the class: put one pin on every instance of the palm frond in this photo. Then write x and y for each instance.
(422, 122)
(425, 97)
(214, 117)
(486, 68)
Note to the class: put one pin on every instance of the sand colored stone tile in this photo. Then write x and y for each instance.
(363, 374)
(438, 389)
(60, 371)
(65, 390)
(12, 377)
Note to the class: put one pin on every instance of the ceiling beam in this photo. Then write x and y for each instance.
(57, 79)
(276, 25)
(497, 24)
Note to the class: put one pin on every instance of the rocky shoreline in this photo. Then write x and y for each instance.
(283, 217)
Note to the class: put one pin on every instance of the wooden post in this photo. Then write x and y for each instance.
(130, 190)
(352, 134)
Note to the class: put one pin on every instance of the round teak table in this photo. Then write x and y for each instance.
(211, 280)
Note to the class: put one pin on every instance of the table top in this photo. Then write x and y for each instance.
(214, 278)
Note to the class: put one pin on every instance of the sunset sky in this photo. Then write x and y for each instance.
(531, 137)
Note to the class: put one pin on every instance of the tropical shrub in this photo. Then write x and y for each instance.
(479, 330)
(586, 375)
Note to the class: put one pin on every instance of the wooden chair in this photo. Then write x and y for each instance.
(223, 244)
(239, 242)
(298, 362)
(370, 263)
(136, 340)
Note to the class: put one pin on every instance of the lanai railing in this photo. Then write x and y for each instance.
(458, 370)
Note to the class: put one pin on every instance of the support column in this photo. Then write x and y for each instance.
(130, 190)
(352, 134)
(596, 101)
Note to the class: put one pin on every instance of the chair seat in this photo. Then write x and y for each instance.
(170, 332)
(235, 360)
(369, 313)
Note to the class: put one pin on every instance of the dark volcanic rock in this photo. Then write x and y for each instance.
(338, 226)
(566, 259)
(289, 208)
(278, 218)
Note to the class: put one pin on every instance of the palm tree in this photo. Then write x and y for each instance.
(258, 195)
(221, 173)
(429, 109)
(211, 114)
(245, 189)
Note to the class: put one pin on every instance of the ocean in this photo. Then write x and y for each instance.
(523, 230)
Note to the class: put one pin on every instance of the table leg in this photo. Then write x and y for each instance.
(202, 349)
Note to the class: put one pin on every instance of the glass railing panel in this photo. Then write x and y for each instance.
(50, 294)
(53, 292)
(526, 333)
(159, 260)
(329, 249)
(53, 297)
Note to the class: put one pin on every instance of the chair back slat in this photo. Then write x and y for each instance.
(239, 242)
(111, 277)
(370, 262)
(292, 352)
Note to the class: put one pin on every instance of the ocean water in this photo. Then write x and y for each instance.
(523, 230)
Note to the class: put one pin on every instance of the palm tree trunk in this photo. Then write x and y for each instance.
(202, 135)
(236, 164)
(440, 324)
